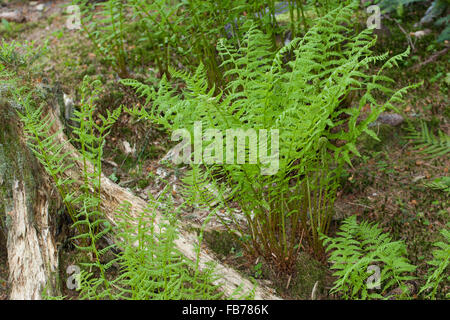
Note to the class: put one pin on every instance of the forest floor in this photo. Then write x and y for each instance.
(385, 185)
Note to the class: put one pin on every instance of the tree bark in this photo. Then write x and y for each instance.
(25, 214)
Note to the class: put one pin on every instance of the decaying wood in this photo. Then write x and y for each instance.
(113, 196)
(25, 213)
(32, 254)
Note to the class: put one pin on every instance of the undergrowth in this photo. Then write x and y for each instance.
(361, 248)
(302, 91)
(130, 34)
(370, 265)
(431, 146)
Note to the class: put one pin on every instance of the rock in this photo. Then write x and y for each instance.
(12, 16)
(40, 7)
(128, 148)
(418, 178)
(391, 119)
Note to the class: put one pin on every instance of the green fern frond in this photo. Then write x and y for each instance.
(439, 273)
(151, 266)
(358, 247)
(429, 144)
(442, 184)
(197, 187)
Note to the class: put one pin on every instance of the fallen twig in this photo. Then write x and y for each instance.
(433, 58)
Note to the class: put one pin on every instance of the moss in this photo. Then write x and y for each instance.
(309, 271)
(387, 135)
(143, 183)
(12, 30)
(7, 167)
(16, 162)
(221, 243)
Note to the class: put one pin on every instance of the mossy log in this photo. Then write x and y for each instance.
(27, 225)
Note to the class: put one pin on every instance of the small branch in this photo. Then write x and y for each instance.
(360, 205)
(408, 37)
(431, 59)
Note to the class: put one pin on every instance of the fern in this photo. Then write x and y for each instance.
(131, 34)
(104, 24)
(83, 201)
(16, 55)
(149, 265)
(429, 144)
(43, 143)
(359, 246)
(442, 184)
(200, 190)
(154, 269)
(439, 267)
(298, 90)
